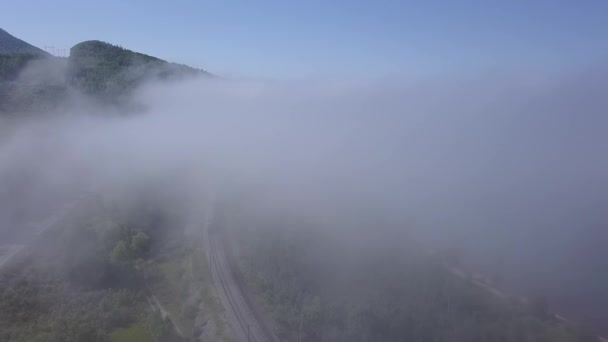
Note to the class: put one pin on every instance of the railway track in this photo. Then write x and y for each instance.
(242, 317)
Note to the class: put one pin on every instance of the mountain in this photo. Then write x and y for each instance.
(15, 54)
(32, 80)
(13, 45)
(109, 71)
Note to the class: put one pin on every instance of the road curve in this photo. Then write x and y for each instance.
(246, 324)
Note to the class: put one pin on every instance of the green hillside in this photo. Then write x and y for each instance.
(105, 70)
(12, 64)
(41, 89)
(322, 286)
(11, 45)
(15, 54)
(100, 70)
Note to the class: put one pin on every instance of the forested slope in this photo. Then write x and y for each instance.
(103, 272)
(13, 45)
(33, 81)
(321, 285)
(108, 71)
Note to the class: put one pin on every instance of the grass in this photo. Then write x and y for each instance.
(133, 333)
(173, 290)
(183, 285)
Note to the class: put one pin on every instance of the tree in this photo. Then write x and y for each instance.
(140, 243)
(160, 328)
(120, 253)
(311, 320)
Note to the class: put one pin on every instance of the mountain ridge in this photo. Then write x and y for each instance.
(10, 44)
(101, 71)
(101, 68)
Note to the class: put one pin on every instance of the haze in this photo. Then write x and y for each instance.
(509, 170)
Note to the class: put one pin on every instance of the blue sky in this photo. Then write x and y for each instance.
(286, 39)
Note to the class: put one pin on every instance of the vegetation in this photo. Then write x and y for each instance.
(11, 65)
(130, 272)
(133, 333)
(320, 288)
(10, 68)
(39, 306)
(95, 290)
(182, 281)
(99, 70)
(13, 45)
(37, 92)
(109, 71)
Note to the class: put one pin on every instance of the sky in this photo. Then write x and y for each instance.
(301, 39)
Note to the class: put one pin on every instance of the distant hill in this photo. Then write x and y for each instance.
(15, 54)
(32, 80)
(11, 65)
(102, 69)
(30, 83)
(13, 45)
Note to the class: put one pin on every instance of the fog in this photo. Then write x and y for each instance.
(508, 169)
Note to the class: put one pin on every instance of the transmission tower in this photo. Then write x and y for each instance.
(50, 49)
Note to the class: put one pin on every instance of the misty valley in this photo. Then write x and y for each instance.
(144, 200)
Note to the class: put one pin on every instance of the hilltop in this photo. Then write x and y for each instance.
(32, 80)
(102, 69)
(15, 54)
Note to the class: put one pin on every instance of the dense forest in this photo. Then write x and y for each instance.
(12, 64)
(104, 70)
(13, 45)
(31, 84)
(107, 285)
(34, 81)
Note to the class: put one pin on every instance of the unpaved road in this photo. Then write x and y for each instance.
(243, 317)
